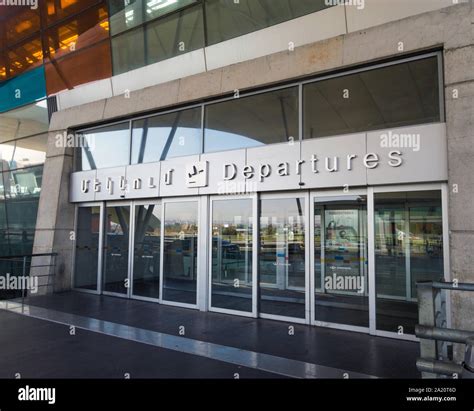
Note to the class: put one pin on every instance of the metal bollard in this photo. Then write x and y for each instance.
(468, 364)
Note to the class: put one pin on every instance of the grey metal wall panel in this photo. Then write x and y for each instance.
(234, 162)
(111, 180)
(143, 180)
(76, 194)
(425, 163)
(343, 154)
(274, 156)
(176, 169)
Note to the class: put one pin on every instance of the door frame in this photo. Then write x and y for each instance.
(255, 227)
(164, 202)
(304, 194)
(321, 195)
(132, 249)
(120, 203)
(91, 204)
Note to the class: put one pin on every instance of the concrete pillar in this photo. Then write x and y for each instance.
(55, 220)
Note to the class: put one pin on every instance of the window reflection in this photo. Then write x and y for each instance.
(252, 121)
(399, 95)
(228, 19)
(166, 136)
(96, 152)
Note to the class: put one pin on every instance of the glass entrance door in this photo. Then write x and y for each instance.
(282, 259)
(146, 251)
(116, 249)
(340, 261)
(86, 260)
(232, 232)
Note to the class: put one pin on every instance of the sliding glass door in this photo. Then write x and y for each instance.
(116, 248)
(341, 294)
(180, 252)
(231, 263)
(86, 259)
(282, 258)
(146, 251)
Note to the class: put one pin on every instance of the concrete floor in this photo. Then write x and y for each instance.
(38, 348)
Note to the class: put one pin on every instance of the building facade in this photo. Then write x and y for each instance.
(296, 160)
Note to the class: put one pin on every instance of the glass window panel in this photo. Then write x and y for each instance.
(399, 95)
(23, 183)
(95, 151)
(128, 51)
(3, 66)
(166, 136)
(25, 121)
(232, 228)
(282, 257)
(22, 192)
(86, 65)
(408, 249)
(252, 121)
(227, 19)
(87, 248)
(340, 260)
(116, 245)
(80, 31)
(59, 9)
(180, 252)
(22, 23)
(125, 14)
(177, 34)
(29, 152)
(25, 56)
(147, 246)
(157, 8)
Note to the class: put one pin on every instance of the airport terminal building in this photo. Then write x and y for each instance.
(303, 161)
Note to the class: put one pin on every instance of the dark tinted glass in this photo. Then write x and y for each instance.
(399, 95)
(227, 19)
(125, 14)
(128, 51)
(165, 136)
(252, 121)
(97, 152)
(25, 56)
(22, 23)
(80, 31)
(59, 9)
(83, 66)
(174, 35)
